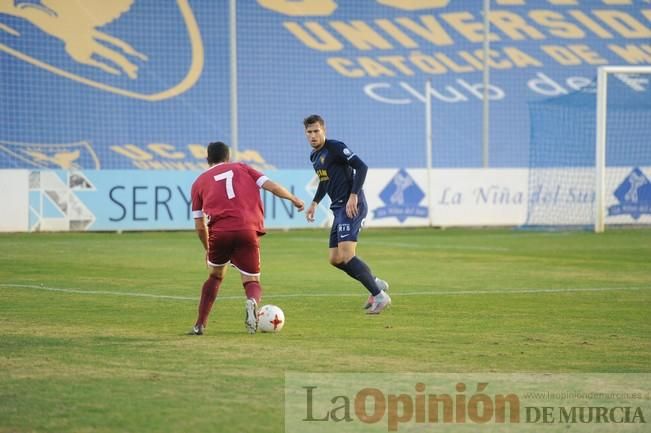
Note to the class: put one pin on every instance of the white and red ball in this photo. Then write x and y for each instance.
(270, 318)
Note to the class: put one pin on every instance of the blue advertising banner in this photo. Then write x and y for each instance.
(110, 200)
(363, 65)
(145, 84)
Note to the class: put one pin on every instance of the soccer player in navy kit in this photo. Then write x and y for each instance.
(341, 175)
(229, 220)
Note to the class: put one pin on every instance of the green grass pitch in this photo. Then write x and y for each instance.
(92, 324)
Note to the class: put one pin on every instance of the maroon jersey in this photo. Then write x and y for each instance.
(229, 195)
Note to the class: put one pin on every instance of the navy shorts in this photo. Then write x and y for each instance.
(347, 229)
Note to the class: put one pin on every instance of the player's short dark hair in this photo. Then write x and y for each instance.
(313, 118)
(218, 152)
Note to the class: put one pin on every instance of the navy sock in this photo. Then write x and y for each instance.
(360, 271)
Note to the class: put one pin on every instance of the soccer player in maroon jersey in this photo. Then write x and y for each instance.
(229, 220)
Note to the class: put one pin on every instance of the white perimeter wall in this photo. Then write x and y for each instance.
(460, 197)
(14, 200)
(396, 198)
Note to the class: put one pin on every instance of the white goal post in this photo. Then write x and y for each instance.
(601, 125)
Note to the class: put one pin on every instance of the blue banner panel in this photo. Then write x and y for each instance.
(140, 84)
(363, 65)
(146, 84)
(112, 200)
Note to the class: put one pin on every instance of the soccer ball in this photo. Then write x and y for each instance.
(270, 318)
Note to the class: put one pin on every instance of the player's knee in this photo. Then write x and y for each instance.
(249, 278)
(337, 261)
(218, 273)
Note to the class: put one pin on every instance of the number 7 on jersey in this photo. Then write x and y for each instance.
(228, 177)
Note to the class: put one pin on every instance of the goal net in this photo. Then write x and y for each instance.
(590, 154)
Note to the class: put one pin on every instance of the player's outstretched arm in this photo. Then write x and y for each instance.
(282, 192)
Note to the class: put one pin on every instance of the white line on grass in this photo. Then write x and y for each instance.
(329, 295)
(442, 244)
(414, 245)
(96, 292)
(435, 246)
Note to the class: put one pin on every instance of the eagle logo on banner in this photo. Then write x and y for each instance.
(65, 156)
(77, 24)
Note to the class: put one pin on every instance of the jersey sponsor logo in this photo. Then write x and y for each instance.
(92, 55)
(401, 197)
(634, 196)
(323, 174)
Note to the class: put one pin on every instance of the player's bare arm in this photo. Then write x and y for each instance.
(309, 213)
(282, 192)
(202, 231)
(318, 196)
(351, 206)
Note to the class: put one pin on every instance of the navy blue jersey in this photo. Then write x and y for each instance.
(340, 172)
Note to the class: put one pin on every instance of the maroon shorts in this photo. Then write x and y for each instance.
(241, 248)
